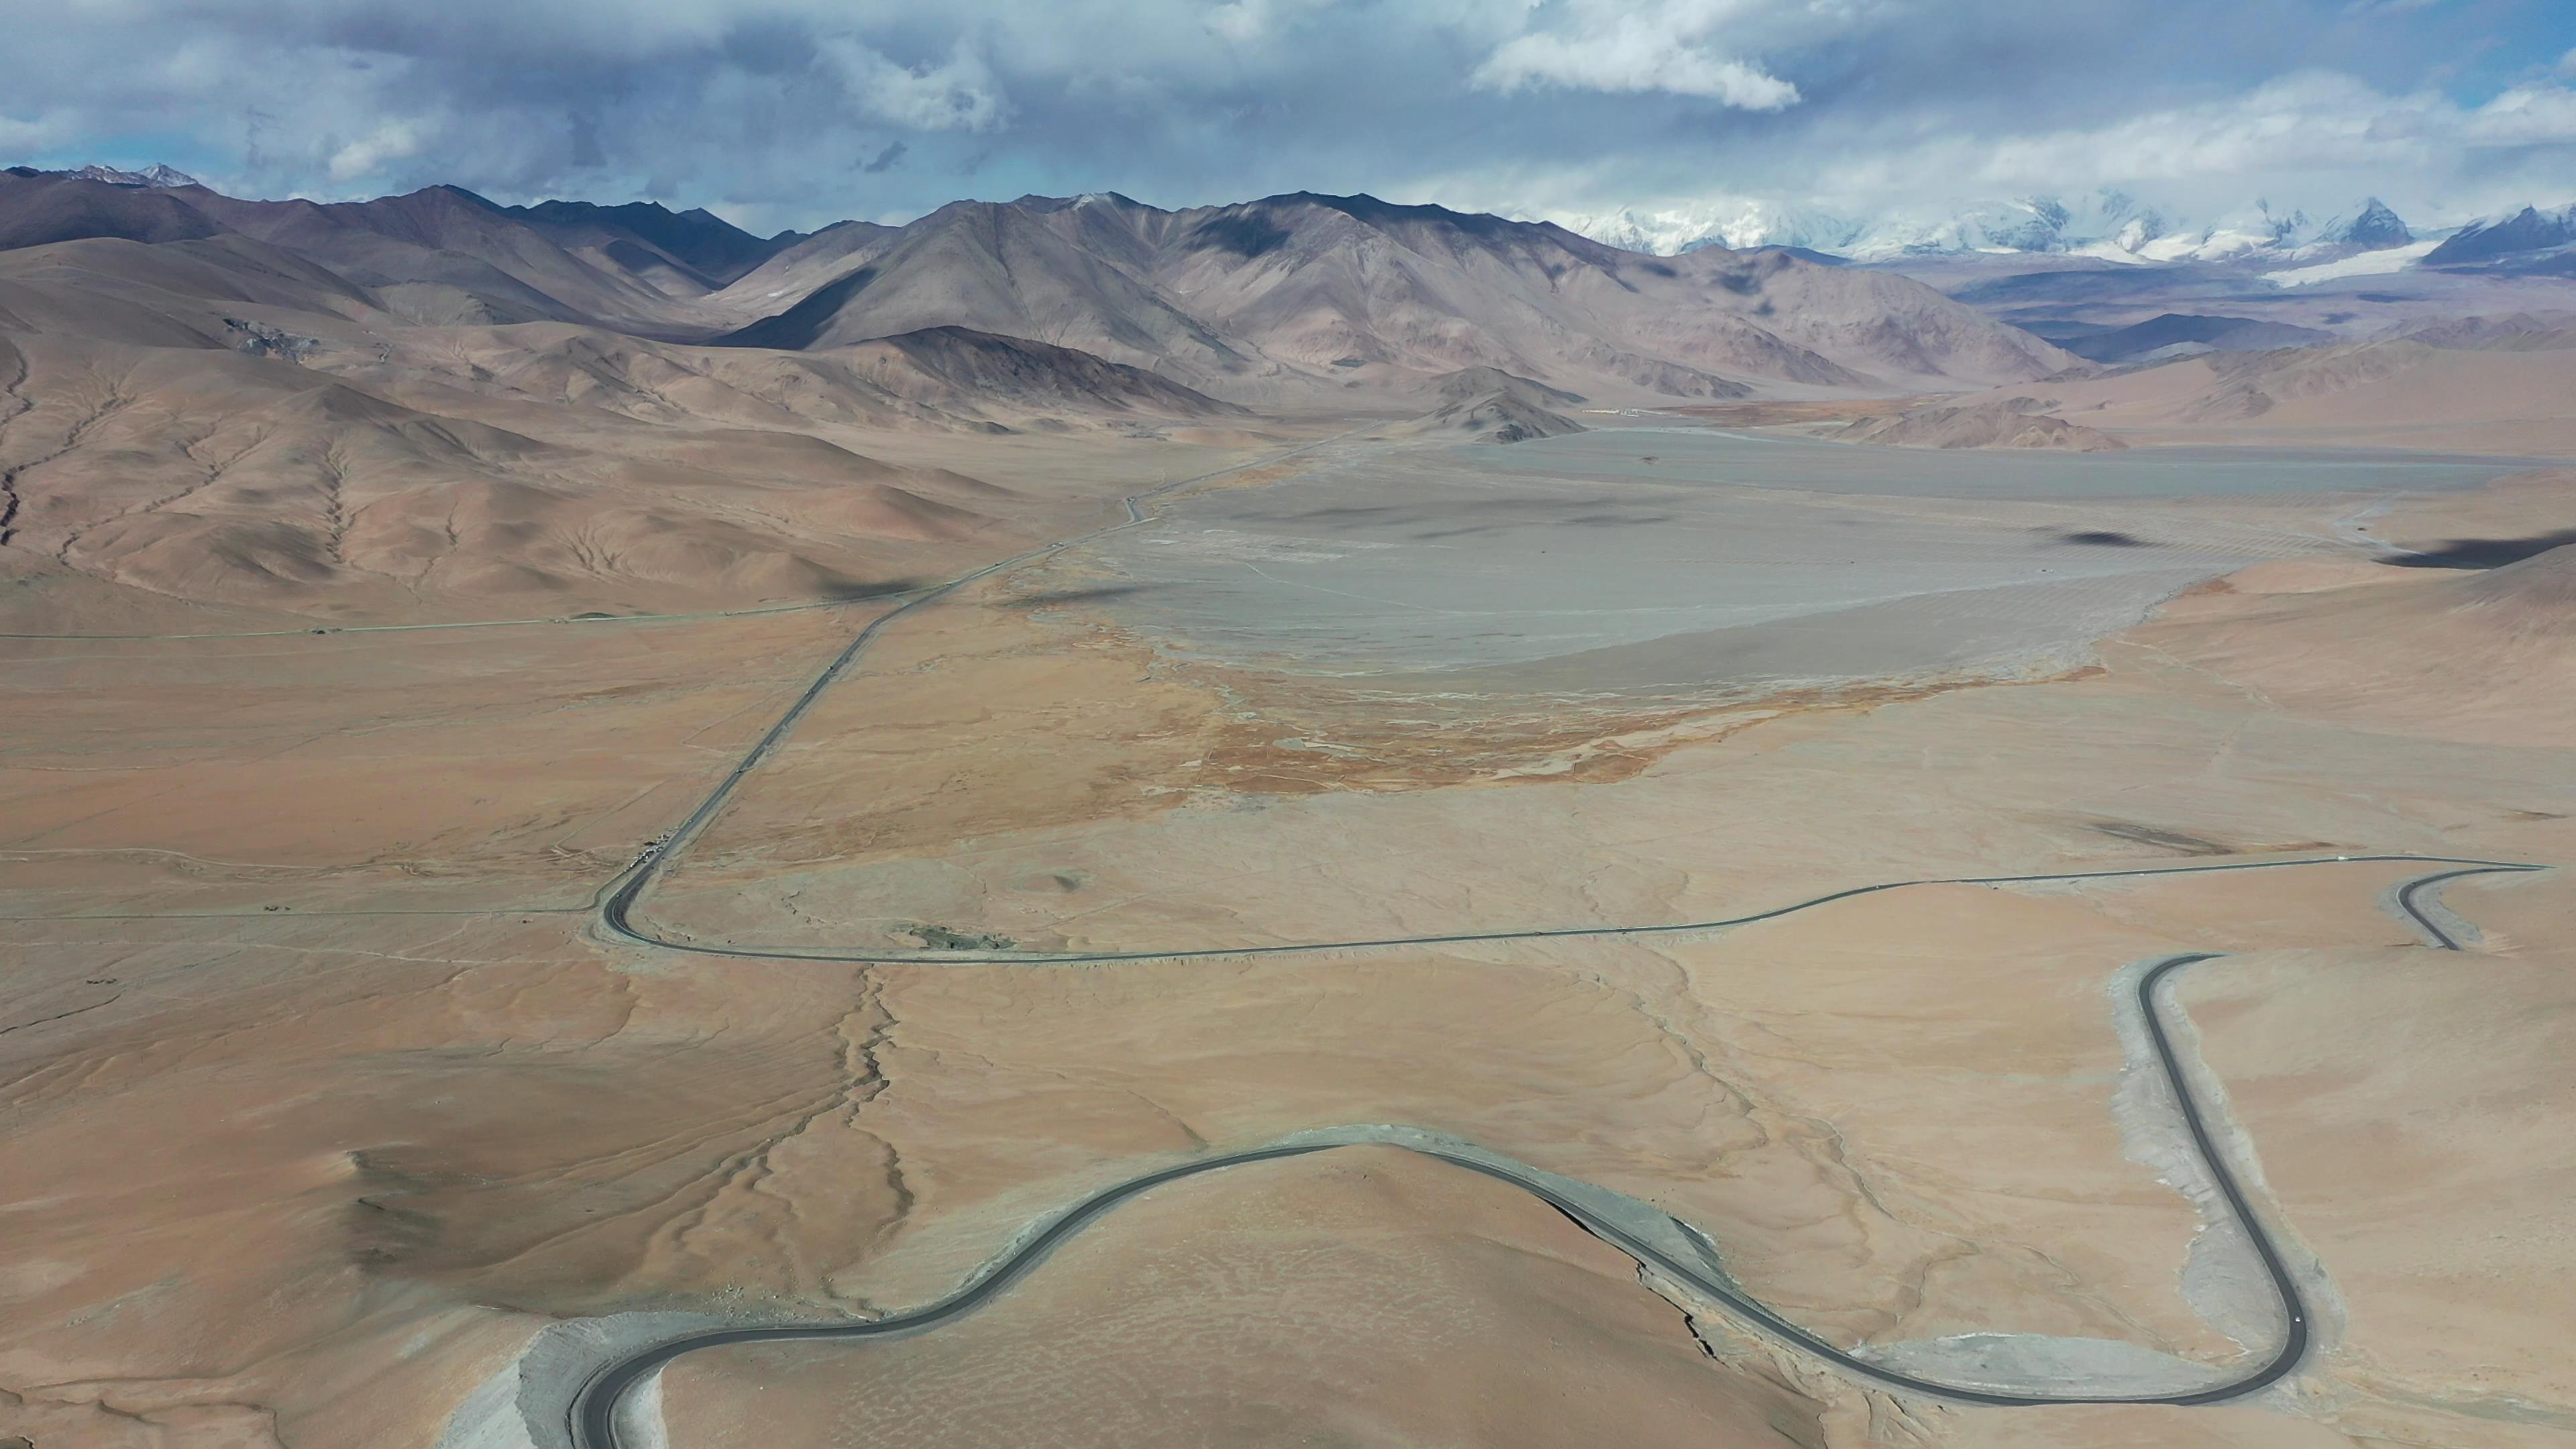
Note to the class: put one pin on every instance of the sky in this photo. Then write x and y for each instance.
(793, 113)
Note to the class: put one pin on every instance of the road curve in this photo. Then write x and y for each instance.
(2407, 903)
(616, 922)
(622, 890)
(592, 1417)
(592, 1420)
(619, 897)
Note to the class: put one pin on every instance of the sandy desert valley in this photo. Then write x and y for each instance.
(1308, 822)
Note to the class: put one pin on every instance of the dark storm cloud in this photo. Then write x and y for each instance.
(797, 111)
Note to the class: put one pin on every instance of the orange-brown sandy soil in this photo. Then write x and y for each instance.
(2514, 401)
(321, 1092)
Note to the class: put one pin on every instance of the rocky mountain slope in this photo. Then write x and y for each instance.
(220, 419)
(439, 255)
(1488, 405)
(2176, 334)
(1296, 300)
(2529, 242)
(434, 402)
(1267, 299)
(2016, 422)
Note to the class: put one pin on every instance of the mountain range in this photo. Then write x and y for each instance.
(1288, 298)
(2107, 225)
(433, 400)
(2529, 242)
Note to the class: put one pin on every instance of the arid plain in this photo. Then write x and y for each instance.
(346, 1104)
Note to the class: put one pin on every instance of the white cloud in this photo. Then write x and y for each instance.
(392, 141)
(2300, 132)
(771, 107)
(2317, 140)
(1612, 47)
(957, 95)
(1240, 23)
(19, 136)
(2313, 121)
(1248, 23)
(2524, 116)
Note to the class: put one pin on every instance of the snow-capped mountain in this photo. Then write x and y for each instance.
(2105, 219)
(2525, 240)
(1733, 224)
(2373, 228)
(149, 176)
(2109, 225)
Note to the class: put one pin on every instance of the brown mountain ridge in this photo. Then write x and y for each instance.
(1286, 300)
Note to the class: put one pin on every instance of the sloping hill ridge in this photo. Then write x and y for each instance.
(2528, 241)
(442, 253)
(2007, 423)
(1286, 300)
(1009, 270)
(960, 366)
(1243, 301)
(1490, 405)
(2180, 334)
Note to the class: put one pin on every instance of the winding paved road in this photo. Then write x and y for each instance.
(593, 1420)
(594, 1411)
